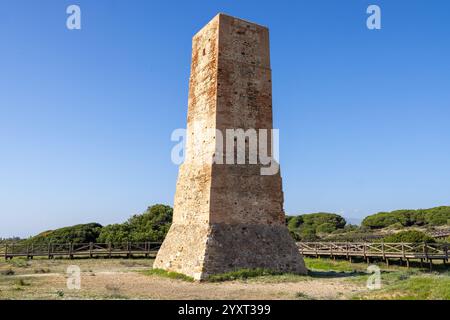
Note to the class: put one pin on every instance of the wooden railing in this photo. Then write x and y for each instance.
(367, 250)
(440, 233)
(71, 250)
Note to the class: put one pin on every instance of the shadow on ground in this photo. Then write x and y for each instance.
(334, 274)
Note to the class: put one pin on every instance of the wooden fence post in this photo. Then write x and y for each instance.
(331, 249)
(365, 250)
(110, 249)
(347, 250)
(6, 251)
(91, 245)
(425, 250)
(446, 252)
(386, 259)
(403, 251)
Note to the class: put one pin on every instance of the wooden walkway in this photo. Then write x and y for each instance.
(369, 250)
(90, 250)
(366, 250)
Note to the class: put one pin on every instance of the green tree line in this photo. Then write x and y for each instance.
(153, 225)
(406, 218)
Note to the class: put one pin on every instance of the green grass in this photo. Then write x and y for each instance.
(168, 274)
(414, 285)
(19, 262)
(333, 265)
(243, 274)
(397, 282)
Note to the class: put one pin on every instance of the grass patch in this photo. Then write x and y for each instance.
(168, 274)
(22, 283)
(244, 274)
(42, 270)
(7, 272)
(303, 296)
(403, 286)
(19, 263)
(333, 265)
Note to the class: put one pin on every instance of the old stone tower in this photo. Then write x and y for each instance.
(227, 217)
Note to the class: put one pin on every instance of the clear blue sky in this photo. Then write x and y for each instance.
(86, 116)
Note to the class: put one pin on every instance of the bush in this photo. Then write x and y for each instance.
(82, 233)
(306, 227)
(152, 225)
(406, 218)
(411, 236)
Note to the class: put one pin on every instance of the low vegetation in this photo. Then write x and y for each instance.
(410, 236)
(82, 233)
(243, 274)
(423, 217)
(308, 227)
(152, 225)
(168, 274)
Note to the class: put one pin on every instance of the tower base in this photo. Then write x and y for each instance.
(201, 250)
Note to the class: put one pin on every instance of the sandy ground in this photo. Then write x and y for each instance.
(120, 279)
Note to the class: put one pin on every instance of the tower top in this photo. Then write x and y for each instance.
(227, 16)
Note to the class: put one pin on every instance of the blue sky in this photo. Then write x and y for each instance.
(86, 116)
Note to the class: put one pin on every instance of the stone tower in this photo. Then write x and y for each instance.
(227, 216)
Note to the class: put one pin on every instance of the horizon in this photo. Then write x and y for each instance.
(86, 115)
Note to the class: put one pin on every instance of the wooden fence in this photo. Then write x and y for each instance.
(367, 250)
(72, 250)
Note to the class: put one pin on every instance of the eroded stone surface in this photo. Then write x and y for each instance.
(227, 217)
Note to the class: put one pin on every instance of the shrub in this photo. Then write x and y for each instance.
(406, 218)
(411, 236)
(306, 227)
(152, 225)
(82, 233)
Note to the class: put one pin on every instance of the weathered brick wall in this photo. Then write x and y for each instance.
(240, 194)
